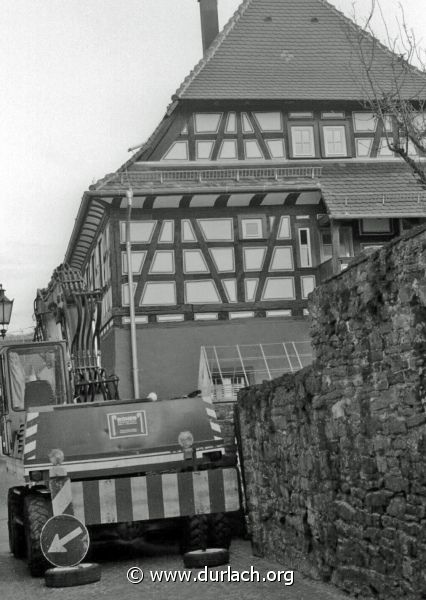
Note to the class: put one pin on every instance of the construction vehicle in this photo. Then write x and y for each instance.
(126, 464)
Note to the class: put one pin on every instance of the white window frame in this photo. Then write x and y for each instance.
(288, 298)
(309, 246)
(281, 237)
(197, 143)
(158, 252)
(302, 290)
(326, 144)
(182, 144)
(291, 268)
(364, 113)
(302, 128)
(219, 114)
(189, 281)
(198, 251)
(244, 235)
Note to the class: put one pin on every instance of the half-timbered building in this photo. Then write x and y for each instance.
(266, 175)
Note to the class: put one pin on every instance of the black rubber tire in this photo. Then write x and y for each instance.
(37, 510)
(220, 534)
(195, 532)
(211, 557)
(17, 543)
(81, 574)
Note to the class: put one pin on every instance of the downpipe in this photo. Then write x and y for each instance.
(134, 351)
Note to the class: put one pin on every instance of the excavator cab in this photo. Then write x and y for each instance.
(31, 375)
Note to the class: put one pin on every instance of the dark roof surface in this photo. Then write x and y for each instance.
(290, 49)
(361, 189)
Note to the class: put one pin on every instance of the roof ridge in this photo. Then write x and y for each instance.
(211, 51)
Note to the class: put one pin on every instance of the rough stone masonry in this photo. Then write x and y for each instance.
(335, 455)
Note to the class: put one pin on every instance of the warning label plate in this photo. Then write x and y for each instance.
(127, 424)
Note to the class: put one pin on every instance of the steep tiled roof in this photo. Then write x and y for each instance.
(291, 49)
(362, 189)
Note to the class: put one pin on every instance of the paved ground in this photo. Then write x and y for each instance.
(16, 584)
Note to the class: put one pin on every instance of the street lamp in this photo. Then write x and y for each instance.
(5, 311)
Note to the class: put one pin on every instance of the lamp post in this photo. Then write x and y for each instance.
(5, 311)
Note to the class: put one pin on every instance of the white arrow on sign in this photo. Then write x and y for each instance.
(58, 544)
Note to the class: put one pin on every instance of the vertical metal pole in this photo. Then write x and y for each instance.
(242, 364)
(266, 362)
(134, 351)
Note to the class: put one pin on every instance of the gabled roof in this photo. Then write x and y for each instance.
(292, 49)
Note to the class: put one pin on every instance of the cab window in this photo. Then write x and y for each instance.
(36, 377)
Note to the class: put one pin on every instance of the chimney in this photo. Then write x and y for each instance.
(209, 21)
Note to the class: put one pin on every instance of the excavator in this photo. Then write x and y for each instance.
(128, 465)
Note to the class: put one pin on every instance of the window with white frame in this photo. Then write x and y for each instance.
(326, 247)
(269, 121)
(228, 149)
(159, 293)
(163, 262)
(231, 123)
(188, 234)
(279, 288)
(276, 148)
(284, 231)
(177, 151)
(246, 124)
(207, 122)
(204, 149)
(137, 259)
(217, 230)
(384, 150)
(302, 139)
(305, 247)
(250, 287)
(230, 286)
(252, 228)
(363, 146)
(194, 262)
(253, 258)
(364, 122)
(125, 293)
(252, 149)
(167, 232)
(334, 138)
(201, 292)
(307, 283)
(282, 259)
(140, 231)
(223, 259)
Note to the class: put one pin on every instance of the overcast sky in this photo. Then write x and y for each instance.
(82, 81)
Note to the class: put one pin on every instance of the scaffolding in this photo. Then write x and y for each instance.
(226, 369)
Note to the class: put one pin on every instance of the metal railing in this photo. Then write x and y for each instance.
(417, 197)
(224, 370)
(234, 174)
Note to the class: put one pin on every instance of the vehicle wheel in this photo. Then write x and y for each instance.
(195, 532)
(211, 557)
(69, 576)
(16, 530)
(37, 510)
(220, 534)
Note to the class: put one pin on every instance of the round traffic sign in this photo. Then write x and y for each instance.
(64, 540)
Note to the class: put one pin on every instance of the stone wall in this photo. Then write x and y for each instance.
(335, 455)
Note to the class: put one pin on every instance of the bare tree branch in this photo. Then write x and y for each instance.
(393, 89)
